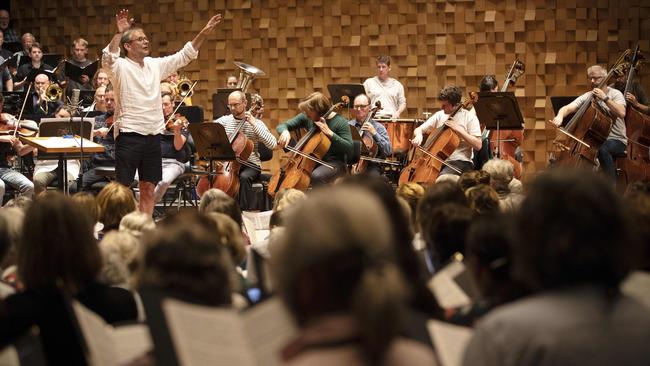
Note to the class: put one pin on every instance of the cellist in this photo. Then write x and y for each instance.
(376, 130)
(254, 130)
(335, 127)
(464, 123)
(612, 101)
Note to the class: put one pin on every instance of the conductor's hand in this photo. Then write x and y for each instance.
(212, 23)
(123, 21)
(284, 138)
(324, 127)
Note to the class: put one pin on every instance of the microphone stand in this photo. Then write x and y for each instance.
(80, 178)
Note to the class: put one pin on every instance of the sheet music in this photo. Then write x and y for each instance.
(204, 334)
(131, 342)
(269, 327)
(447, 291)
(261, 220)
(449, 341)
(97, 334)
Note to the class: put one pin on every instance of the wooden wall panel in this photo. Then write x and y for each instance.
(305, 45)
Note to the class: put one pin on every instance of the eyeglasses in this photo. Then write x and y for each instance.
(360, 106)
(140, 39)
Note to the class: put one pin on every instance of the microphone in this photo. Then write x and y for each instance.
(74, 102)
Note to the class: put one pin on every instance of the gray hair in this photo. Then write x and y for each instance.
(501, 173)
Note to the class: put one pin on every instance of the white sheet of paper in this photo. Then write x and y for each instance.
(269, 327)
(450, 341)
(131, 342)
(261, 220)
(97, 335)
(204, 334)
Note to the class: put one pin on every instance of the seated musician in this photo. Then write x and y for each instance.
(386, 89)
(254, 130)
(173, 146)
(100, 78)
(103, 135)
(10, 145)
(36, 55)
(489, 83)
(232, 81)
(464, 123)
(374, 128)
(635, 96)
(41, 104)
(46, 170)
(333, 126)
(613, 102)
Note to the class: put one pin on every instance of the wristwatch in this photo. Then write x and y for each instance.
(606, 98)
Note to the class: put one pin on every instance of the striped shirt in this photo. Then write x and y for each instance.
(258, 132)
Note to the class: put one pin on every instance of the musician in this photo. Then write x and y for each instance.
(256, 131)
(100, 78)
(636, 96)
(103, 135)
(27, 40)
(139, 118)
(42, 106)
(79, 58)
(489, 83)
(333, 126)
(374, 128)
(5, 26)
(36, 55)
(613, 102)
(386, 89)
(232, 81)
(464, 123)
(100, 103)
(9, 146)
(173, 146)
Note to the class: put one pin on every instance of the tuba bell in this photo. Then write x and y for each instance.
(247, 73)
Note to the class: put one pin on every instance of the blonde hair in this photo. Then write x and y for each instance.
(230, 236)
(115, 201)
(316, 102)
(122, 255)
(287, 197)
(137, 223)
(345, 253)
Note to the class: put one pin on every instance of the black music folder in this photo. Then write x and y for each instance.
(74, 72)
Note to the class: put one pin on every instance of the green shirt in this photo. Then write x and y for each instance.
(341, 148)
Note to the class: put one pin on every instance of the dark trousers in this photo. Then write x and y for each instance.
(606, 156)
(482, 156)
(461, 165)
(247, 198)
(322, 175)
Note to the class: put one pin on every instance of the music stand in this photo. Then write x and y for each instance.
(13, 101)
(499, 111)
(339, 90)
(220, 101)
(559, 102)
(86, 98)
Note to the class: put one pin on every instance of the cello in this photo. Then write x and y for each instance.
(504, 143)
(368, 142)
(227, 174)
(636, 165)
(296, 172)
(587, 129)
(430, 156)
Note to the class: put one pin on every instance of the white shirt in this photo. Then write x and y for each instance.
(255, 133)
(463, 118)
(138, 107)
(618, 127)
(390, 93)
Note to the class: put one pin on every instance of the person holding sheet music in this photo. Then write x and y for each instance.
(80, 60)
(254, 130)
(36, 55)
(139, 118)
(386, 89)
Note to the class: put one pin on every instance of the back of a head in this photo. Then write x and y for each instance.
(137, 223)
(57, 244)
(115, 201)
(572, 229)
(122, 254)
(437, 195)
(468, 179)
(444, 229)
(89, 203)
(209, 196)
(186, 259)
(225, 205)
(501, 173)
(229, 235)
(287, 198)
(11, 226)
(336, 257)
(483, 199)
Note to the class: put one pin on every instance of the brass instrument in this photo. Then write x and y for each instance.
(183, 90)
(247, 73)
(53, 93)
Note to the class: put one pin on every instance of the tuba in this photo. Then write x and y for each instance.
(247, 73)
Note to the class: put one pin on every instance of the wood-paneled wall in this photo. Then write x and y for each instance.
(305, 45)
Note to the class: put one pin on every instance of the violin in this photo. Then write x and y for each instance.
(504, 143)
(431, 156)
(9, 125)
(587, 129)
(169, 125)
(226, 175)
(296, 172)
(368, 141)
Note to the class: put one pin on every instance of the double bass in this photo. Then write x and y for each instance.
(368, 142)
(587, 129)
(431, 156)
(636, 165)
(296, 172)
(227, 174)
(504, 143)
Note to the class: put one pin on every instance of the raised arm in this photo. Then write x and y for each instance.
(212, 23)
(123, 23)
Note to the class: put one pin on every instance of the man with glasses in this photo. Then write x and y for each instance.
(613, 102)
(254, 130)
(372, 127)
(139, 120)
